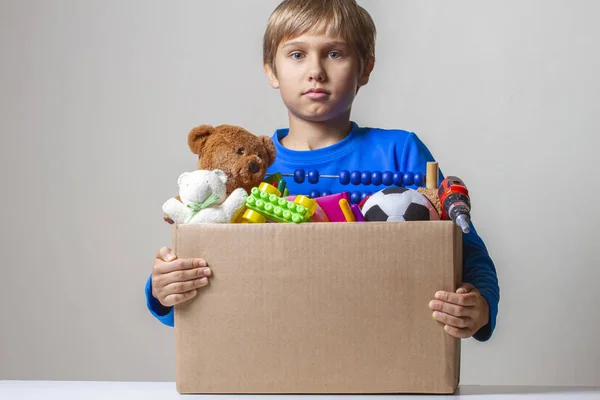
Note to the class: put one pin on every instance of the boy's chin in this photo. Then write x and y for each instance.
(316, 117)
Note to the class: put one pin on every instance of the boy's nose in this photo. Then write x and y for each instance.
(316, 73)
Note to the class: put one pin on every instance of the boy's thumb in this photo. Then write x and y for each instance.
(462, 289)
(166, 254)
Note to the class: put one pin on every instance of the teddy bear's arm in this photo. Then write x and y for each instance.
(175, 210)
(234, 202)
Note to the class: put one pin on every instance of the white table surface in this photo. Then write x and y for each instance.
(67, 390)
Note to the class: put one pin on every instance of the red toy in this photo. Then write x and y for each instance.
(456, 205)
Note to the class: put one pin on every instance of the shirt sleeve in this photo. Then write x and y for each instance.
(478, 268)
(160, 312)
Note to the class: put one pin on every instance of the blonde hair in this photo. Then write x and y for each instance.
(342, 18)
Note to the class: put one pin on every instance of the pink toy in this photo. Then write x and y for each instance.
(331, 206)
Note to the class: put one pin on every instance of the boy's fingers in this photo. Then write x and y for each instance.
(181, 264)
(173, 299)
(461, 333)
(183, 287)
(451, 320)
(466, 299)
(184, 276)
(449, 308)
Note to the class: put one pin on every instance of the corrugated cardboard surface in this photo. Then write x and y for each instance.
(318, 308)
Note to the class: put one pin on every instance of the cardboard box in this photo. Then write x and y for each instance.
(318, 308)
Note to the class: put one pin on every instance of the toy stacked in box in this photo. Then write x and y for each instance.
(207, 196)
(203, 201)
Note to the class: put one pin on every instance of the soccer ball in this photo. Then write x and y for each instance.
(399, 204)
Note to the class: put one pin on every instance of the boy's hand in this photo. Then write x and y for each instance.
(463, 312)
(175, 281)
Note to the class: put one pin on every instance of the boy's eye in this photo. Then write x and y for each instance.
(240, 151)
(335, 54)
(296, 56)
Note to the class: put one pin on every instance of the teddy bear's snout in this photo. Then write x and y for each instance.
(253, 167)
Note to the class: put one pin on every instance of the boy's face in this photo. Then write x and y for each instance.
(318, 76)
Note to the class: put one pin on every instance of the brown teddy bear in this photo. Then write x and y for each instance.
(243, 156)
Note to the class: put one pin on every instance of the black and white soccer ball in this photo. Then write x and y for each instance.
(399, 204)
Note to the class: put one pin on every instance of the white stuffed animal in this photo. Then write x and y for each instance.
(203, 201)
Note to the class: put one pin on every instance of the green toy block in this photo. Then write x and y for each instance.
(276, 208)
(273, 178)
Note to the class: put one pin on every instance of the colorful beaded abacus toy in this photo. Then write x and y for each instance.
(345, 177)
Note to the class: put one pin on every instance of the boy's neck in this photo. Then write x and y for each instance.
(309, 135)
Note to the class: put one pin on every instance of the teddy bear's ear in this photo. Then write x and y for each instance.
(181, 178)
(222, 176)
(270, 147)
(197, 137)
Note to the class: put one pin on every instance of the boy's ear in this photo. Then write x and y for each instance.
(271, 75)
(364, 78)
(198, 136)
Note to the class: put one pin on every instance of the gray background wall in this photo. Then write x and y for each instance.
(96, 99)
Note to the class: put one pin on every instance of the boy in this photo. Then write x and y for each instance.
(318, 53)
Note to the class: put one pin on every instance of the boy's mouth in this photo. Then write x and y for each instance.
(316, 93)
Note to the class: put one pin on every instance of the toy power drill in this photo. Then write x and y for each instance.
(454, 198)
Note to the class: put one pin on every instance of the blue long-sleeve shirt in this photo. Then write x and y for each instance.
(373, 150)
